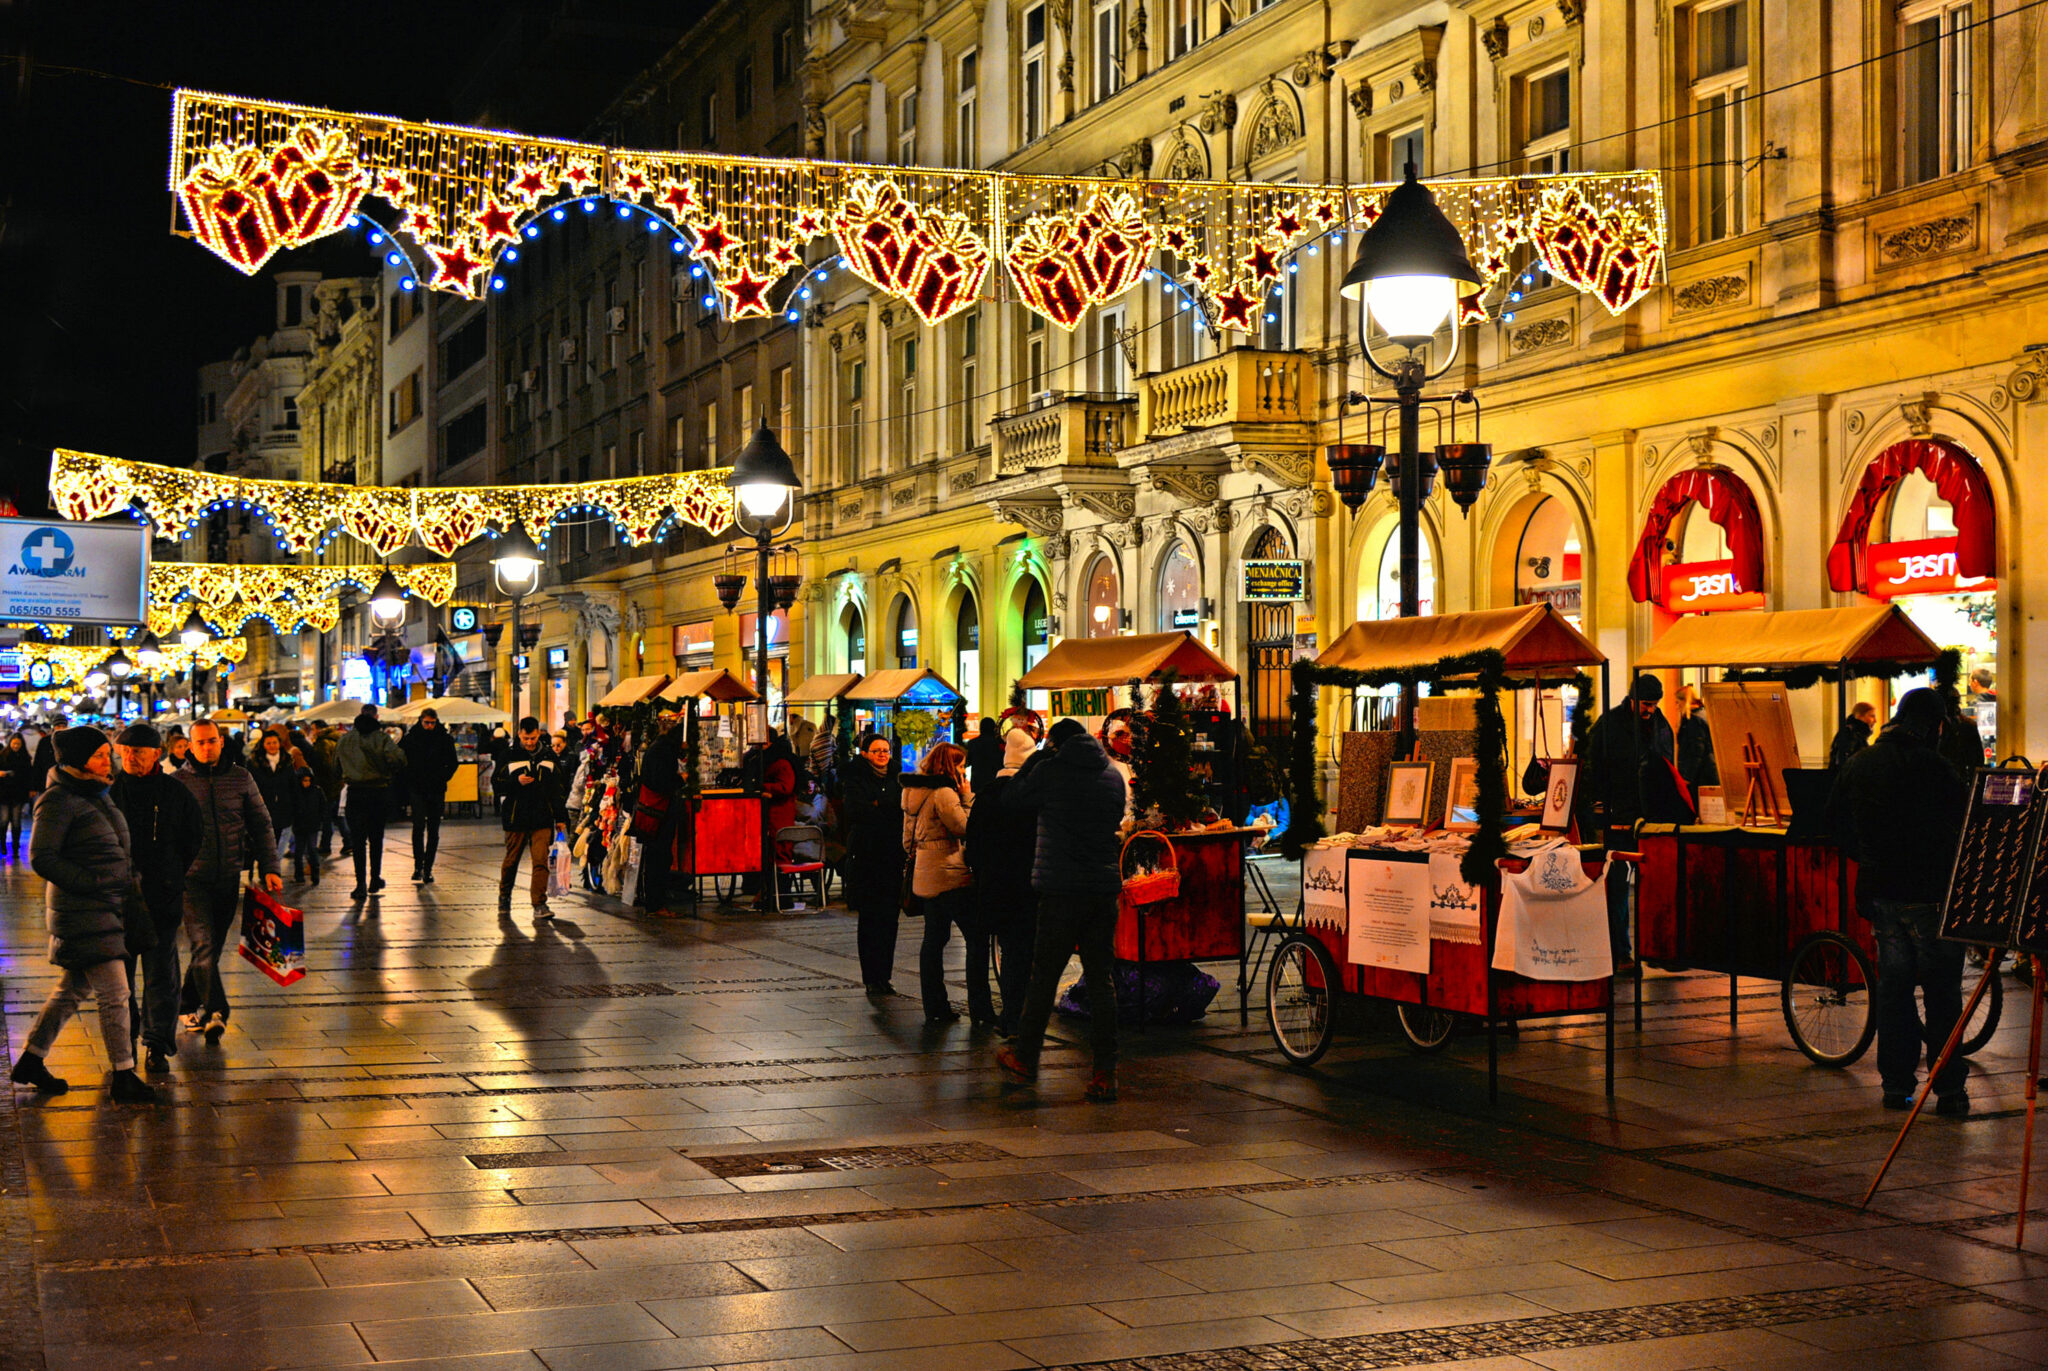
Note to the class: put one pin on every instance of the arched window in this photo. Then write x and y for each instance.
(856, 642)
(967, 651)
(1548, 558)
(1381, 597)
(1036, 630)
(1105, 600)
(1180, 590)
(904, 634)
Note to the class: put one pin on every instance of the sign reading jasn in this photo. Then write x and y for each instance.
(52, 572)
(1275, 581)
(1706, 587)
(1925, 566)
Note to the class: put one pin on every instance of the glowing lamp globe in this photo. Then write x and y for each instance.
(195, 632)
(119, 666)
(1411, 265)
(517, 561)
(387, 600)
(149, 653)
(762, 476)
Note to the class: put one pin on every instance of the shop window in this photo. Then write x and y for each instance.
(856, 642)
(1915, 568)
(1037, 639)
(1380, 595)
(1717, 64)
(1105, 600)
(904, 633)
(1934, 90)
(967, 650)
(1547, 561)
(1180, 590)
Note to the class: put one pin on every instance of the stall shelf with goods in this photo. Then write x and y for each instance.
(723, 836)
(1362, 894)
(1768, 892)
(913, 706)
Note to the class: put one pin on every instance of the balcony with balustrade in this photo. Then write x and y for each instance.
(1242, 386)
(1063, 429)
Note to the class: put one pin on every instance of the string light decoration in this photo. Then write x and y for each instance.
(69, 665)
(253, 176)
(288, 598)
(307, 515)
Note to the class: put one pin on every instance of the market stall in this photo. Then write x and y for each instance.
(829, 692)
(1205, 919)
(1412, 909)
(914, 706)
(723, 836)
(1766, 891)
(634, 690)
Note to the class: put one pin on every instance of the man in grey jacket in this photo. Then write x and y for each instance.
(238, 833)
(80, 846)
(370, 764)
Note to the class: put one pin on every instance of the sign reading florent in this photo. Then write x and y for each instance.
(1275, 581)
(54, 572)
(1926, 566)
(1704, 587)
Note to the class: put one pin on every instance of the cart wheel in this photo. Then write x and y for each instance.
(1829, 1008)
(1983, 1023)
(1427, 1029)
(1301, 998)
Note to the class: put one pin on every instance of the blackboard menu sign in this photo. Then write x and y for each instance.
(1998, 859)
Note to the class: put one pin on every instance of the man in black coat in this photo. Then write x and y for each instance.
(1002, 844)
(661, 777)
(1854, 734)
(46, 756)
(531, 782)
(1626, 769)
(1899, 807)
(871, 807)
(235, 832)
(984, 756)
(430, 762)
(165, 830)
(1080, 800)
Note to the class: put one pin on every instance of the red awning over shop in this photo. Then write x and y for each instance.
(1727, 501)
(1958, 479)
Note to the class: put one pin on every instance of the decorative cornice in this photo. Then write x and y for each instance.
(1190, 485)
(1290, 469)
(1040, 517)
(2028, 377)
(1111, 506)
(1710, 291)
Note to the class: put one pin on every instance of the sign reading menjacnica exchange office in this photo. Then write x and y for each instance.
(1274, 581)
(55, 572)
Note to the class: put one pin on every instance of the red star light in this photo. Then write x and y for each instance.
(634, 184)
(679, 196)
(1287, 223)
(1176, 239)
(496, 223)
(420, 223)
(530, 186)
(454, 267)
(1236, 309)
(1325, 211)
(784, 255)
(580, 175)
(1201, 271)
(748, 295)
(713, 242)
(392, 186)
(809, 223)
(1261, 264)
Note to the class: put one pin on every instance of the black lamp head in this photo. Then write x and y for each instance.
(1411, 237)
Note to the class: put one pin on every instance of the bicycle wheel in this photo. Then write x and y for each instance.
(1829, 1008)
(1427, 1029)
(1983, 1023)
(1301, 998)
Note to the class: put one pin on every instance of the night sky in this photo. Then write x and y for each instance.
(106, 315)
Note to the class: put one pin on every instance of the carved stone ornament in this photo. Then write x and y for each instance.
(1140, 26)
(1116, 535)
(1855, 421)
(1710, 291)
(1573, 10)
(859, 332)
(837, 340)
(887, 315)
(1769, 437)
(1220, 516)
(1361, 99)
(814, 129)
(1541, 334)
(1701, 441)
(635, 617)
(1277, 126)
(849, 511)
(966, 478)
(1108, 505)
(1395, 91)
(1313, 65)
(1314, 503)
(1062, 15)
(1293, 469)
(1219, 114)
(1535, 28)
(1136, 158)
(1931, 239)
(903, 495)
(1040, 517)
(1495, 37)
(1057, 548)
(1424, 73)
(1187, 162)
(1915, 411)
(1067, 74)
(2026, 380)
(1190, 485)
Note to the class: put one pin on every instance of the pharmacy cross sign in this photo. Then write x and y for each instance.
(47, 552)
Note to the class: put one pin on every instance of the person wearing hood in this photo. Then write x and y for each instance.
(1854, 734)
(370, 764)
(165, 830)
(80, 845)
(871, 807)
(1899, 807)
(1002, 839)
(272, 768)
(430, 763)
(1080, 799)
(235, 831)
(984, 756)
(935, 807)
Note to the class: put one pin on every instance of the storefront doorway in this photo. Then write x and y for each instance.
(1180, 590)
(1105, 600)
(1037, 635)
(854, 639)
(903, 633)
(1548, 560)
(967, 651)
(1269, 647)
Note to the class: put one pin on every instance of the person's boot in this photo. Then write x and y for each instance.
(298, 871)
(125, 1087)
(314, 863)
(216, 1027)
(1014, 1067)
(1102, 1086)
(29, 1070)
(156, 1061)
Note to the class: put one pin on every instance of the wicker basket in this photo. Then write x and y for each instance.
(1151, 887)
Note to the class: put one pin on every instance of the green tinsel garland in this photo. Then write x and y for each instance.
(1948, 670)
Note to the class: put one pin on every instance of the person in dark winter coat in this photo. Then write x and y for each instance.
(1080, 799)
(871, 808)
(531, 781)
(165, 830)
(1695, 743)
(272, 768)
(1626, 764)
(661, 778)
(1899, 807)
(14, 794)
(325, 759)
(308, 810)
(371, 765)
(1002, 843)
(235, 833)
(1962, 744)
(984, 756)
(1854, 734)
(45, 757)
(430, 763)
(80, 846)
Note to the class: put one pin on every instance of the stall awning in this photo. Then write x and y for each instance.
(1791, 638)
(821, 690)
(911, 685)
(632, 691)
(720, 685)
(1093, 663)
(1531, 639)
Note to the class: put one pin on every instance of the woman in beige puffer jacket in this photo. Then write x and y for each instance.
(935, 806)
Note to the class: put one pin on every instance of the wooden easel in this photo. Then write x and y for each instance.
(1948, 1050)
(1761, 796)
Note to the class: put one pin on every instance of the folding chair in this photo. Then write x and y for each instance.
(816, 870)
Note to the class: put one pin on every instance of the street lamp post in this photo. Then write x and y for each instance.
(1409, 272)
(387, 611)
(149, 655)
(516, 568)
(766, 484)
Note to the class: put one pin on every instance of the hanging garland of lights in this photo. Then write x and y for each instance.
(70, 665)
(254, 177)
(286, 597)
(307, 515)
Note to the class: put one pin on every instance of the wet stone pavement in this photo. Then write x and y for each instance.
(617, 1144)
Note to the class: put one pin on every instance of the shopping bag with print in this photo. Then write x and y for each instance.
(629, 881)
(273, 937)
(561, 869)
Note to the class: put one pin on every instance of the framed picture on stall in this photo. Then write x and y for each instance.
(1461, 801)
(1408, 793)
(1559, 795)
